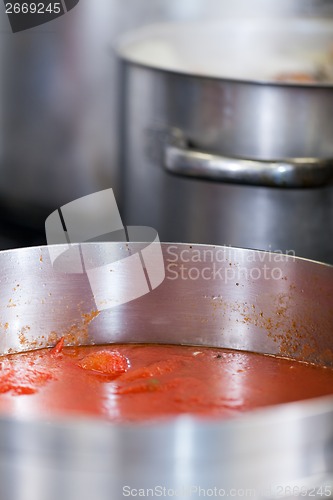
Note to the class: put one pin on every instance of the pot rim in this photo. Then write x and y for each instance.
(129, 39)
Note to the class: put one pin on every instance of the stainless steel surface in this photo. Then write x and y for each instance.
(285, 173)
(255, 301)
(226, 111)
(234, 119)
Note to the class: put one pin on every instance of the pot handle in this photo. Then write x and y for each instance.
(291, 172)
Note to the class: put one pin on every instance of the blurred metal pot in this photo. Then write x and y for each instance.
(58, 112)
(210, 109)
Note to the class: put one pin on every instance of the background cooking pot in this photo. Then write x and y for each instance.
(286, 311)
(58, 116)
(209, 108)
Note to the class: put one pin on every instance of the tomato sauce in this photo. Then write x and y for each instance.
(136, 382)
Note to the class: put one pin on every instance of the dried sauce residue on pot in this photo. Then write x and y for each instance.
(292, 329)
(76, 334)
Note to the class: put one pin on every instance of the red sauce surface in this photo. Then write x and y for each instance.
(132, 382)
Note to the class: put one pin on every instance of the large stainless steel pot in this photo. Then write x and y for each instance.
(200, 101)
(254, 301)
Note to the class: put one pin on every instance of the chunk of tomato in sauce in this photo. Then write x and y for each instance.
(57, 349)
(106, 362)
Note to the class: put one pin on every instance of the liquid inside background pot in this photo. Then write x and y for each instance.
(236, 49)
